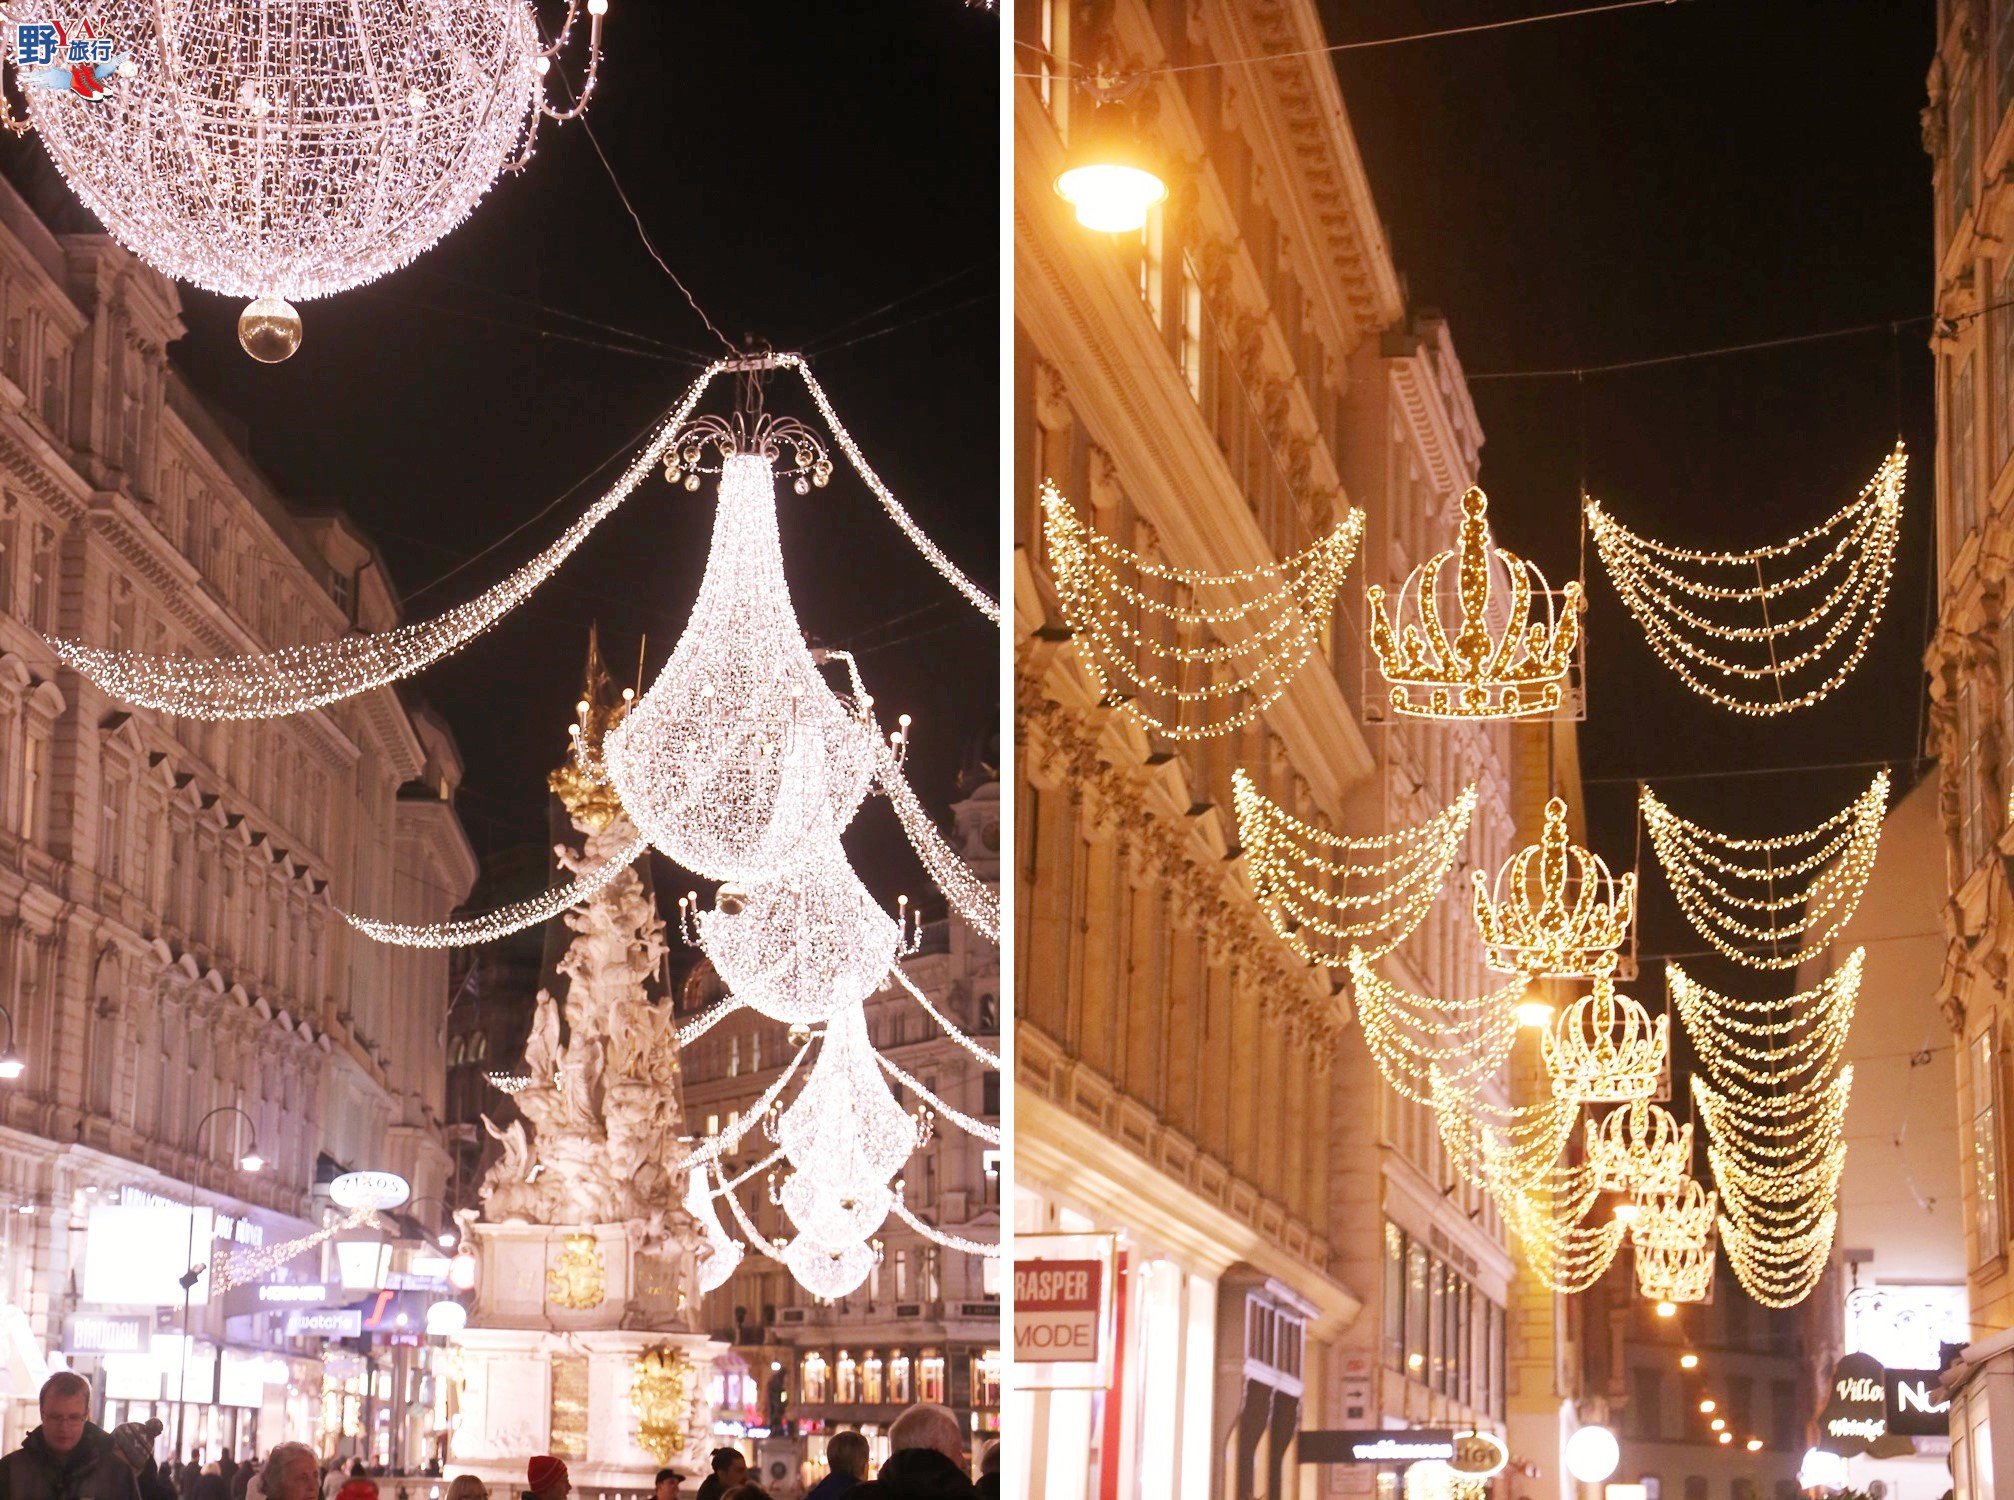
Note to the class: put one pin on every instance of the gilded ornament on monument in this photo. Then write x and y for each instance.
(577, 1279)
(582, 783)
(659, 1395)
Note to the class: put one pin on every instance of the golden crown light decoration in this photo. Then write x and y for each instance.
(1640, 1148)
(1605, 1048)
(1677, 1218)
(275, 149)
(1675, 1273)
(1555, 911)
(1499, 663)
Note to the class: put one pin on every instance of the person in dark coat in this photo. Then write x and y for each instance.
(730, 1472)
(987, 1486)
(926, 1459)
(846, 1458)
(69, 1457)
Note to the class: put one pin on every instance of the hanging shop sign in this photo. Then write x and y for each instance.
(1479, 1455)
(1856, 1410)
(106, 1333)
(1915, 1406)
(1063, 1311)
(379, 1190)
(1395, 1446)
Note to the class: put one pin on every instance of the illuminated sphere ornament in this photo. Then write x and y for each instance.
(829, 1271)
(281, 150)
(270, 330)
(1592, 1454)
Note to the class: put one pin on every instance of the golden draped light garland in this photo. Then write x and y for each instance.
(1814, 619)
(1770, 903)
(1555, 910)
(1499, 663)
(1755, 1060)
(1421, 1044)
(1567, 1252)
(1328, 893)
(1220, 648)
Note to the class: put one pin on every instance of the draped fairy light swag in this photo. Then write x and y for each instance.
(280, 150)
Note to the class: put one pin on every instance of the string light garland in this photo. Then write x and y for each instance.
(963, 1121)
(1260, 624)
(1328, 893)
(1497, 1148)
(1421, 1044)
(1816, 618)
(296, 679)
(1566, 1253)
(1605, 1048)
(1800, 895)
(231, 1268)
(945, 1023)
(504, 920)
(976, 903)
(717, 1145)
(1756, 1060)
(1500, 663)
(739, 761)
(276, 149)
(1554, 911)
(950, 1241)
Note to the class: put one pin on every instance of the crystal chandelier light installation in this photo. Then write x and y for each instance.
(291, 149)
(1749, 643)
(1500, 663)
(1770, 903)
(1186, 653)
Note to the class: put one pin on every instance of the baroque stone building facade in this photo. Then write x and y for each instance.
(1289, 1247)
(170, 943)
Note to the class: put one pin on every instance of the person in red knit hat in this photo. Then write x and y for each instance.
(545, 1478)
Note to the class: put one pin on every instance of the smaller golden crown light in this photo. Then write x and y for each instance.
(1675, 1220)
(1604, 1048)
(1678, 1275)
(1512, 670)
(1555, 911)
(1639, 1148)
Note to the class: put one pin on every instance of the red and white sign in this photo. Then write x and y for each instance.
(1057, 1304)
(1063, 1311)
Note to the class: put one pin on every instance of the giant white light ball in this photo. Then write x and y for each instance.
(1592, 1454)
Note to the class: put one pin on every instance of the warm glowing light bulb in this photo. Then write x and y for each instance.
(1707, 1405)
(1755, 1445)
(1534, 1013)
(1667, 1309)
(1111, 197)
(1629, 1213)
(1727, 1437)
(251, 1161)
(1718, 1424)
(1688, 1361)
(11, 1066)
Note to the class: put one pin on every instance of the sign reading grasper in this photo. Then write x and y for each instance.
(1410, 1445)
(1057, 1308)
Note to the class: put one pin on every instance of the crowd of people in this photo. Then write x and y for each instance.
(69, 1457)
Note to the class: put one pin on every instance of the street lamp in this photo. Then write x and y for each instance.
(1108, 176)
(11, 1065)
(250, 1161)
(447, 1239)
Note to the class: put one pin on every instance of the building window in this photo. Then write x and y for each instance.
(1416, 1311)
(1395, 1298)
(811, 1380)
(898, 1379)
(1962, 480)
(1053, 69)
(1963, 167)
(1975, 817)
(1189, 348)
(986, 1380)
(34, 763)
(1150, 264)
(1437, 1335)
(930, 1378)
(845, 1379)
(1646, 1404)
(871, 1390)
(1988, 1233)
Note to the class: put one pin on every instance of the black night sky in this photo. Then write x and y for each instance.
(823, 179)
(1647, 182)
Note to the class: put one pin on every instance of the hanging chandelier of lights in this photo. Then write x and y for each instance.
(1500, 663)
(1605, 1048)
(738, 760)
(845, 1137)
(1771, 903)
(1639, 1148)
(295, 679)
(1752, 647)
(800, 947)
(1327, 893)
(281, 150)
(1191, 654)
(1555, 911)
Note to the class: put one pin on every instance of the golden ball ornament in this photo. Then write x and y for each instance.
(269, 329)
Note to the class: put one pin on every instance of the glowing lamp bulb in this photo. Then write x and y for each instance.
(1754, 1445)
(1110, 197)
(11, 1066)
(1591, 1454)
(1718, 1424)
(251, 1161)
(1667, 1309)
(1707, 1406)
(597, 7)
(462, 1270)
(445, 1239)
(1629, 1213)
(1688, 1361)
(1533, 1013)
(1727, 1437)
